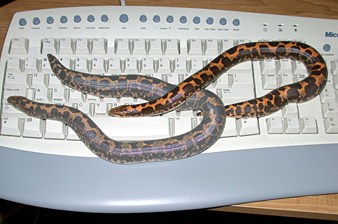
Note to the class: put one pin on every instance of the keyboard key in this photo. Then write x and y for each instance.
(290, 110)
(172, 46)
(195, 47)
(180, 65)
(196, 65)
(334, 66)
(247, 126)
(147, 65)
(308, 125)
(56, 95)
(66, 46)
(139, 46)
(328, 94)
(285, 79)
(32, 128)
(298, 67)
(284, 66)
(31, 65)
(14, 90)
(71, 135)
(164, 65)
(52, 81)
(82, 46)
(122, 46)
(292, 125)
(274, 125)
(98, 109)
(131, 66)
(329, 109)
(172, 78)
(268, 66)
(40, 95)
(331, 124)
(269, 81)
(230, 128)
(227, 44)
(155, 47)
(36, 80)
(182, 125)
(49, 46)
(233, 95)
(114, 65)
(10, 126)
(66, 61)
(211, 47)
(82, 64)
(73, 96)
(99, 46)
(97, 66)
(14, 65)
(10, 111)
(19, 45)
(16, 78)
(241, 80)
(225, 81)
(54, 130)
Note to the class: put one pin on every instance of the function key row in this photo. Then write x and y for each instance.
(128, 46)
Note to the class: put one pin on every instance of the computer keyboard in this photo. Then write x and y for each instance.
(170, 44)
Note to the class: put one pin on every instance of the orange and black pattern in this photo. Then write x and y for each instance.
(298, 92)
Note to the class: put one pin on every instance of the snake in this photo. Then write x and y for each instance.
(191, 143)
(298, 92)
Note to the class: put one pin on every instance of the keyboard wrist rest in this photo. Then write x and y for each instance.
(93, 185)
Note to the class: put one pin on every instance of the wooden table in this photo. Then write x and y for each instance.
(318, 207)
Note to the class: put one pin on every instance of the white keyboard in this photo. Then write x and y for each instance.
(170, 45)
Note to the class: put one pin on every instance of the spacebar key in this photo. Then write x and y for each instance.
(132, 128)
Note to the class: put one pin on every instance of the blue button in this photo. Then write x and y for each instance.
(22, 22)
(223, 21)
(196, 20)
(236, 22)
(143, 18)
(183, 19)
(50, 20)
(63, 19)
(156, 18)
(77, 18)
(124, 18)
(90, 18)
(36, 21)
(210, 20)
(104, 18)
(170, 19)
(327, 47)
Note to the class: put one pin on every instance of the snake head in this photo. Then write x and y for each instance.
(17, 101)
(125, 111)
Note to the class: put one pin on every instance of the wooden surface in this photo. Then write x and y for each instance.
(319, 207)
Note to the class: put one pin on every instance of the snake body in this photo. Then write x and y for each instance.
(176, 147)
(163, 97)
(298, 92)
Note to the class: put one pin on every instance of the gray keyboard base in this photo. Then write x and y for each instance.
(203, 181)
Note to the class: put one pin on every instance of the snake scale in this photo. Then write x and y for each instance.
(163, 97)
